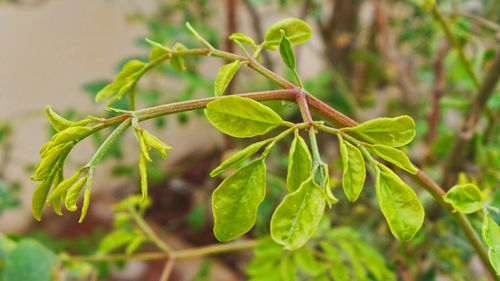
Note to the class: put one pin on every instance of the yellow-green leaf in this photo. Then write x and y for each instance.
(242, 38)
(74, 193)
(299, 163)
(144, 176)
(158, 49)
(86, 200)
(156, 143)
(465, 198)
(297, 31)
(298, 215)
(177, 62)
(491, 237)
(235, 201)
(354, 174)
(224, 77)
(125, 79)
(58, 122)
(48, 162)
(394, 156)
(63, 186)
(387, 131)
(238, 158)
(288, 270)
(241, 117)
(40, 195)
(400, 205)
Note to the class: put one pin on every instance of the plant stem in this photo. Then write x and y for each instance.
(149, 232)
(181, 254)
(169, 266)
(101, 151)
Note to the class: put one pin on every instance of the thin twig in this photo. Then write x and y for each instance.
(167, 270)
(149, 232)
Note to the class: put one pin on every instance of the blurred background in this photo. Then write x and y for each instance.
(366, 58)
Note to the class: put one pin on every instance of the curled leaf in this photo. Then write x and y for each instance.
(86, 200)
(74, 193)
(63, 186)
(242, 38)
(156, 143)
(58, 122)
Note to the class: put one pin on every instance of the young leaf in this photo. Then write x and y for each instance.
(177, 62)
(156, 143)
(46, 166)
(242, 38)
(286, 52)
(394, 156)
(491, 237)
(287, 269)
(392, 132)
(235, 201)
(353, 177)
(125, 79)
(305, 260)
(63, 186)
(465, 198)
(144, 176)
(86, 200)
(330, 198)
(238, 158)
(298, 215)
(299, 164)
(158, 49)
(241, 117)
(74, 193)
(40, 195)
(400, 205)
(297, 31)
(58, 122)
(224, 77)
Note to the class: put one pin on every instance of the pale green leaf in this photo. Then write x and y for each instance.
(235, 201)
(286, 52)
(400, 205)
(86, 200)
(305, 260)
(144, 176)
(354, 174)
(115, 240)
(126, 78)
(74, 193)
(242, 38)
(239, 157)
(177, 62)
(58, 122)
(242, 117)
(224, 77)
(158, 49)
(287, 269)
(298, 215)
(156, 143)
(297, 31)
(393, 132)
(491, 237)
(63, 186)
(40, 195)
(394, 156)
(299, 163)
(465, 198)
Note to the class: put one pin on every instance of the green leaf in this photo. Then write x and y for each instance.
(40, 195)
(242, 117)
(86, 200)
(305, 260)
(286, 52)
(465, 198)
(235, 201)
(63, 186)
(158, 49)
(330, 197)
(144, 176)
(125, 79)
(394, 156)
(177, 62)
(29, 261)
(48, 162)
(298, 215)
(115, 240)
(224, 77)
(299, 163)
(491, 237)
(74, 193)
(392, 132)
(239, 157)
(297, 31)
(58, 122)
(156, 143)
(353, 177)
(287, 269)
(242, 38)
(400, 205)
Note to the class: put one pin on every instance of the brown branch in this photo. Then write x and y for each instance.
(460, 147)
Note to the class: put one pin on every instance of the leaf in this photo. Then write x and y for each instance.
(63, 186)
(177, 62)
(242, 117)
(298, 215)
(239, 157)
(491, 237)
(353, 177)
(286, 52)
(144, 176)
(394, 156)
(392, 132)
(40, 195)
(58, 122)
(299, 163)
(465, 198)
(330, 197)
(305, 260)
(47, 164)
(156, 143)
(125, 79)
(158, 49)
(242, 38)
(400, 205)
(74, 193)
(86, 200)
(287, 269)
(224, 77)
(235, 201)
(29, 261)
(115, 240)
(297, 31)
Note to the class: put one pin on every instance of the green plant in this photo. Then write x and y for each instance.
(237, 198)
